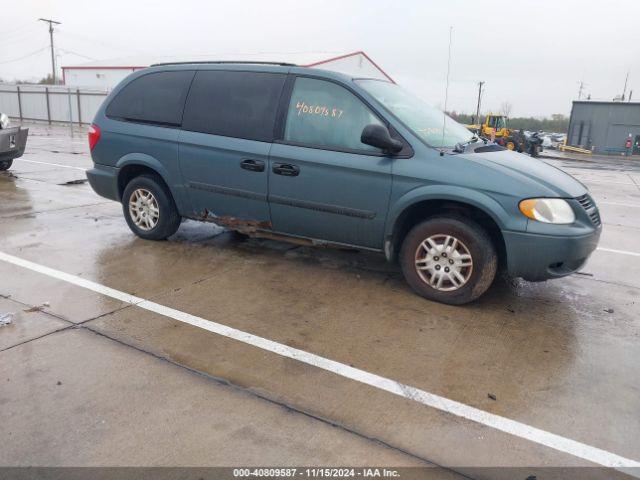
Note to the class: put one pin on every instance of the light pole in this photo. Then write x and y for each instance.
(480, 84)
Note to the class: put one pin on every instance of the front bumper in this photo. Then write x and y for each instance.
(104, 181)
(537, 257)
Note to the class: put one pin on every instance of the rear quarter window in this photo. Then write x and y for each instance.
(156, 98)
(234, 104)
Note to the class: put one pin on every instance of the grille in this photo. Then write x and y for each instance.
(585, 201)
(590, 207)
(595, 218)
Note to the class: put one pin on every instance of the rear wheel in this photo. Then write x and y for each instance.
(510, 144)
(448, 259)
(5, 165)
(149, 208)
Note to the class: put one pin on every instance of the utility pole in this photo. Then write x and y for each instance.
(480, 84)
(53, 57)
(580, 90)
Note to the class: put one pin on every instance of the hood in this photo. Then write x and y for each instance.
(551, 180)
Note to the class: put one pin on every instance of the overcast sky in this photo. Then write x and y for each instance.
(531, 54)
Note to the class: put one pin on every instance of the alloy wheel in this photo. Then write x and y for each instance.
(144, 210)
(443, 262)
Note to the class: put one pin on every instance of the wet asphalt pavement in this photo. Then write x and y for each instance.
(86, 379)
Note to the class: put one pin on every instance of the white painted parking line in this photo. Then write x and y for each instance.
(52, 164)
(512, 427)
(589, 180)
(623, 252)
(618, 204)
(78, 138)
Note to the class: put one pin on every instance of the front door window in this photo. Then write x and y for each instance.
(325, 115)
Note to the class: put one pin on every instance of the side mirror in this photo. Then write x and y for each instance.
(378, 136)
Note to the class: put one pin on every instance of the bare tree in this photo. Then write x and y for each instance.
(506, 108)
(48, 80)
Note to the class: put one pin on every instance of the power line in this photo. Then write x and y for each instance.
(53, 57)
(20, 29)
(19, 35)
(112, 46)
(76, 53)
(21, 38)
(24, 56)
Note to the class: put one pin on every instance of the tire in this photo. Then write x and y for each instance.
(470, 237)
(168, 218)
(5, 165)
(510, 144)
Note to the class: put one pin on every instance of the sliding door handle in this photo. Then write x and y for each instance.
(286, 169)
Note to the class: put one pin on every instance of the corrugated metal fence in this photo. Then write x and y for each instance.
(50, 103)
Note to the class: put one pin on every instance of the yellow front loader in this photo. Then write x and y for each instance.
(495, 128)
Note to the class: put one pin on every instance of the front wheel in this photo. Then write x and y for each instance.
(5, 165)
(449, 260)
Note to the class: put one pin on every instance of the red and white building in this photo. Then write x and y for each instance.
(107, 74)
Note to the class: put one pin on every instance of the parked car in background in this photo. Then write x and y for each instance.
(558, 139)
(546, 140)
(13, 141)
(319, 157)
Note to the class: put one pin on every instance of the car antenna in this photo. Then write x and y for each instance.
(446, 93)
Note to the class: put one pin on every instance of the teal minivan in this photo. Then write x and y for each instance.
(320, 157)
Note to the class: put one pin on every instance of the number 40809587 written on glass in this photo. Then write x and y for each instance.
(321, 110)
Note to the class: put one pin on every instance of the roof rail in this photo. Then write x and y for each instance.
(232, 62)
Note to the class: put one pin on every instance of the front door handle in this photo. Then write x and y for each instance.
(252, 165)
(286, 169)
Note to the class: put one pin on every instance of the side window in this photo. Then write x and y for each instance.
(153, 98)
(234, 104)
(324, 114)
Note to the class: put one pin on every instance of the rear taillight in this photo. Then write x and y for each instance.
(94, 135)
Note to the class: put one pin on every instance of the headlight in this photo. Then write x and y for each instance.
(548, 210)
(4, 120)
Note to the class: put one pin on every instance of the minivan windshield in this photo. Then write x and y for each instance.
(425, 121)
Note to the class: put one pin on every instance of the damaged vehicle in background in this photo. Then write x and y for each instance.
(13, 141)
(323, 158)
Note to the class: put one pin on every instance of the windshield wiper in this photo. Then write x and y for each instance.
(461, 146)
